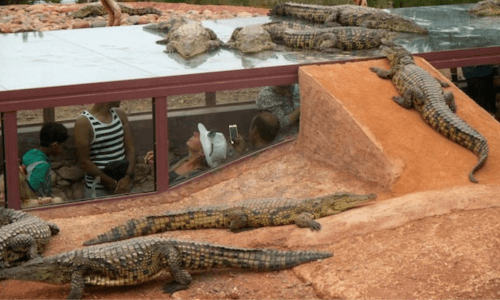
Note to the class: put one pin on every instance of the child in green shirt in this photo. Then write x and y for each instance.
(36, 161)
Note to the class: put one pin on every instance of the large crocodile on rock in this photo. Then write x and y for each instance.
(261, 37)
(423, 92)
(336, 39)
(139, 260)
(486, 8)
(188, 38)
(348, 15)
(236, 216)
(22, 235)
(94, 10)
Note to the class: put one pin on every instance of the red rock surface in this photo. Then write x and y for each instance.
(402, 144)
(42, 17)
(430, 235)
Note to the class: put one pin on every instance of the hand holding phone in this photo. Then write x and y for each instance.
(233, 133)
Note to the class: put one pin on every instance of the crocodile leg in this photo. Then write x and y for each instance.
(450, 101)
(332, 18)
(54, 229)
(442, 83)
(182, 279)
(386, 74)
(306, 219)
(238, 219)
(170, 49)
(77, 285)
(328, 42)
(214, 44)
(407, 100)
(22, 243)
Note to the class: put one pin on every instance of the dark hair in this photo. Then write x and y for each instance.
(267, 125)
(53, 132)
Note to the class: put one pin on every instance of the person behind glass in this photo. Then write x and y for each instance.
(206, 149)
(480, 86)
(283, 101)
(264, 129)
(103, 136)
(35, 179)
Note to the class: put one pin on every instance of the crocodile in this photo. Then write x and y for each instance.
(237, 216)
(250, 39)
(348, 15)
(424, 93)
(139, 260)
(188, 38)
(337, 39)
(486, 8)
(261, 37)
(95, 10)
(22, 235)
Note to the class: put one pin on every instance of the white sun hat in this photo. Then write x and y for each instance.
(214, 146)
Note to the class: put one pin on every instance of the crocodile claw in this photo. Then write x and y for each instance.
(315, 225)
(172, 287)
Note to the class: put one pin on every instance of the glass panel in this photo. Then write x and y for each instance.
(185, 101)
(242, 95)
(54, 169)
(2, 174)
(230, 132)
(106, 54)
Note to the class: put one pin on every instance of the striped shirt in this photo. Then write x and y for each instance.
(107, 144)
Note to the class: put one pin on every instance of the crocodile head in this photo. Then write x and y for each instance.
(253, 39)
(397, 54)
(336, 203)
(486, 8)
(278, 10)
(190, 40)
(382, 20)
(38, 269)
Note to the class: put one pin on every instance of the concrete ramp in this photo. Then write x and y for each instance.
(349, 121)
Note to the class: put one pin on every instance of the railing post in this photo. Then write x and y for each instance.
(161, 143)
(11, 163)
(210, 99)
(49, 115)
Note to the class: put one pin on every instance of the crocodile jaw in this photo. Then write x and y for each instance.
(36, 270)
(254, 46)
(191, 47)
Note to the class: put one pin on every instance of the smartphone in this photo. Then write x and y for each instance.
(233, 133)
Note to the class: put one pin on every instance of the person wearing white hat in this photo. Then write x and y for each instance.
(206, 149)
(214, 146)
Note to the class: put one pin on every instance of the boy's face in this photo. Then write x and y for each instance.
(57, 148)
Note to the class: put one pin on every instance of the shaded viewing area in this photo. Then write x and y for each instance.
(347, 117)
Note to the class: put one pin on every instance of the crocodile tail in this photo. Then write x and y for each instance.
(177, 220)
(132, 228)
(482, 150)
(253, 259)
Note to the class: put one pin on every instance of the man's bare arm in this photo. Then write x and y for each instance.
(124, 185)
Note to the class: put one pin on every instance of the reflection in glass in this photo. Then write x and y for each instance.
(67, 173)
(187, 100)
(241, 95)
(245, 127)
